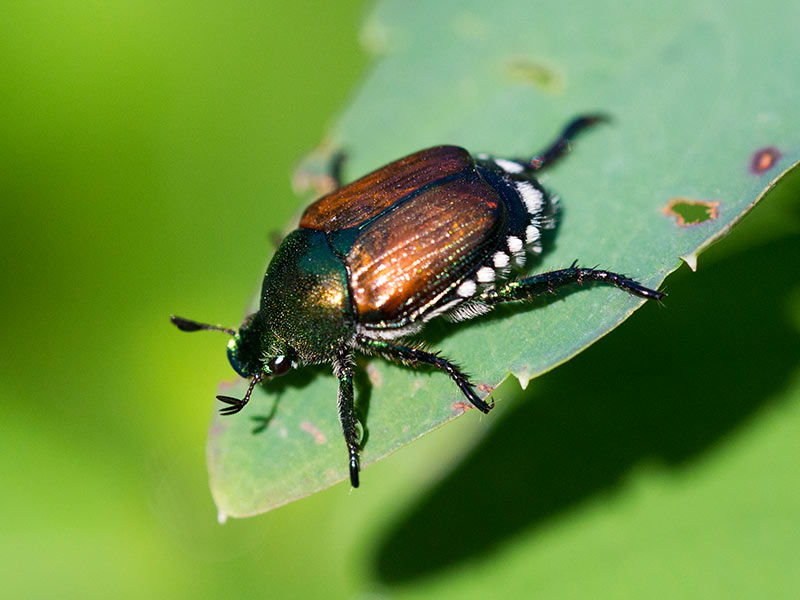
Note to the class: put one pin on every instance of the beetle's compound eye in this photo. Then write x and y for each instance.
(279, 365)
(233, 358)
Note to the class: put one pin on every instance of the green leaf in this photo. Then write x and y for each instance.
(694, 107)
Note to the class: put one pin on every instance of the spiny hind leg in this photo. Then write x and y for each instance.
(552, 153)
(528, 288)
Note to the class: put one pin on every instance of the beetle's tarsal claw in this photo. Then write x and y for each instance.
(235, 405)
(354, 468)
(484, 407)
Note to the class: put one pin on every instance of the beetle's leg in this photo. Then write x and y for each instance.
(335, 167)
(414, 356)
(343, 369)
(527, 288)
(561, 145)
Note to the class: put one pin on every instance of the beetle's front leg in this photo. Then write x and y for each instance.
(529, 287)
(414, 356)
(343, 369)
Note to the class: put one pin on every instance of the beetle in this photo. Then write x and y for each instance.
(437, 233)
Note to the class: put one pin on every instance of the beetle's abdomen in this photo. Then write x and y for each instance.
(367, 197)
(305, 298)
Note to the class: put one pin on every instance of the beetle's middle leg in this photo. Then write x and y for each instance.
(414, 356)
(529, 287)
(343, 369)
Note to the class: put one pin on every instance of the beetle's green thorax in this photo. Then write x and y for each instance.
(305, 302)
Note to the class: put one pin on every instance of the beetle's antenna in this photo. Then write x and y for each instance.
(235, 404)
(189, 325)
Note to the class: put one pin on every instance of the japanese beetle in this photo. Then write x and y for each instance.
(437, 233)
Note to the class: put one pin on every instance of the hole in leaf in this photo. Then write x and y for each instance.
(692, 212)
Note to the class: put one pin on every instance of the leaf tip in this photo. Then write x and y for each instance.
(523, 377)
(222, 516)
(690, 259)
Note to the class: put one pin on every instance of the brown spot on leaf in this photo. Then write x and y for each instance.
(537, 73)
(460, 407)
(218, 427)
(485, 388)
(374, 375)
(764, 160)
(318, 436)
(226, 385)
(692, 212)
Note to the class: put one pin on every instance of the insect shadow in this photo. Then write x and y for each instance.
(297, 379)
(277, 386)
(669, 385)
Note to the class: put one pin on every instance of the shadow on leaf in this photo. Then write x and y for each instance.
(275, 387)
(668, 385)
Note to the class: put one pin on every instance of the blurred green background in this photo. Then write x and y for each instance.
(146, 151)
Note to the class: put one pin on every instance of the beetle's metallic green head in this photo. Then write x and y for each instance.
(254, 350)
